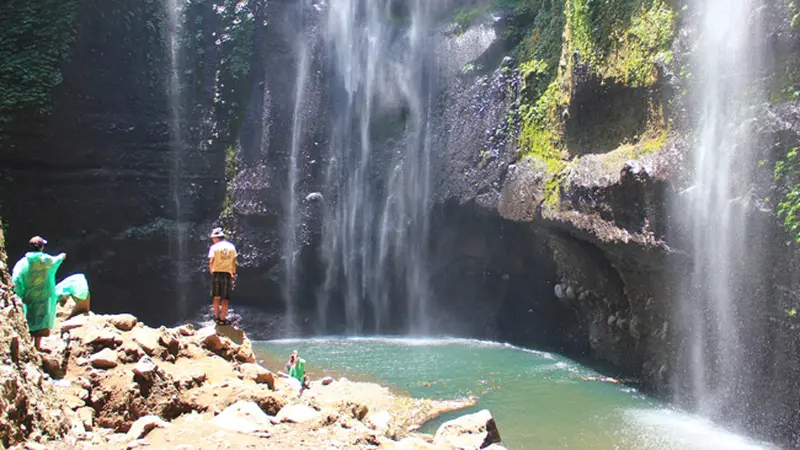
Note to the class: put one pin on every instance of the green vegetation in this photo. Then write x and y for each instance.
(226, 216)
(623, 39)
(789, 204)
(35, 38)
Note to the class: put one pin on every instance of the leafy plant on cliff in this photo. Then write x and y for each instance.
(35, 38)
(623, 39)
(789, 206)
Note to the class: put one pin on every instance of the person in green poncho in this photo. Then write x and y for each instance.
(297, 369)
(34, 279)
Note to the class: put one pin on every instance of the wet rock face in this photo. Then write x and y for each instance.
(99, 169)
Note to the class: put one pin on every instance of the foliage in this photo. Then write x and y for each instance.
(623, 39)
(226, 28)
(789, 205)
(35, 38)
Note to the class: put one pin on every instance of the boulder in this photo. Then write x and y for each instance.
(186, 330)
(144, 425)
(86, 414)
(327, 380)
(170, 340)
(105, 359)
(243, 417)
(146, 370)
(147, 338)
(124, 322)
(210, 340)
(298, 413)
(379, 421)
(472, 431)
(130, 352)
(75, 322)
(101, 337)
(258, 374)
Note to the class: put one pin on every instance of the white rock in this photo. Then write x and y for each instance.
(298, 414)
(472, 431)
(243, 417)
(144, 425)
(379, 420)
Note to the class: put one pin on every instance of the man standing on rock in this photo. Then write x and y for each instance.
(222, 265)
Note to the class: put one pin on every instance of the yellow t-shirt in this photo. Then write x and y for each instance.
(222, 255)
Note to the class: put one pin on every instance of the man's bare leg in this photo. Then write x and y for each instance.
(224, 314)
(216, 308)
(37, 342)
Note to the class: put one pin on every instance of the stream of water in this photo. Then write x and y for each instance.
(375, 234)
(178, 240)
(539, 400)
(716, 371)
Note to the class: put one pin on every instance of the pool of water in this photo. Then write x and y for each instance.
(539, 399)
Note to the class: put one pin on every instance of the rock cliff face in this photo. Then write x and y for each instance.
(28, 409)
(618, 257)
(551, 175)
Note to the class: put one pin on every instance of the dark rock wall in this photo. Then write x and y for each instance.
(95, 177)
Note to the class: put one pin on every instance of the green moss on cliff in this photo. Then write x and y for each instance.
(622, 39)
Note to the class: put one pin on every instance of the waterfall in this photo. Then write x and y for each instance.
(716, 371)
(291, 243)
(178, 248)
(375, 231)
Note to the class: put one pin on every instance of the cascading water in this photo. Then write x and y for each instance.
(293, 218)
(178, 248)
(716, 370)
(375, 227)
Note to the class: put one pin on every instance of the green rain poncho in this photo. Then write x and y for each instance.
(298, 370)
(35, 283)
(74, 286)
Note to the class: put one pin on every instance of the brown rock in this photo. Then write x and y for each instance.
(210, 340)
(186, 330)
(105, 359)
(169, 339)
(359, 411)
(97, 337)
(124, 322)
(147, 338)
(129, 352)
(258, 374)
(75, 322)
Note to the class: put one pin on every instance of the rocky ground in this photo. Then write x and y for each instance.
(109, 381)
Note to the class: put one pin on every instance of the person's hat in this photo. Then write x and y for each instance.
(217, 233)
(37, 241)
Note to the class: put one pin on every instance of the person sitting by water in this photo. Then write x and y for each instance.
(34, 278)
(296, 367)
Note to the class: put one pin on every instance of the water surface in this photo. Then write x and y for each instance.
(539, 399)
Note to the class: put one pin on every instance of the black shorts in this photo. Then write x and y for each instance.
(221, 285)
